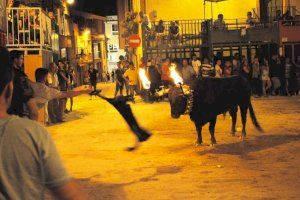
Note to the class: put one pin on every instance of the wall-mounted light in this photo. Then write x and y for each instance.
(70, 2)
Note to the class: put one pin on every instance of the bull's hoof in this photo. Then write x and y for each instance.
(243, 137)
(199, 144)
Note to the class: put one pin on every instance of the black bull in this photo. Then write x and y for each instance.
(212, 97)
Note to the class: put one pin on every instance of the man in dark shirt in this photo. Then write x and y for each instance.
(119, 80)
(63, 86)
(23, 104)
(275, 66)
(154, 76)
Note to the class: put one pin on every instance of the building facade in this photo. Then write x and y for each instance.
(113, 47)
(89, 43)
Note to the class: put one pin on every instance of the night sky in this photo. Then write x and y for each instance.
(99, 7)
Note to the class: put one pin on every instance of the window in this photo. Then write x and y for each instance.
(113, 48)
(115, 29)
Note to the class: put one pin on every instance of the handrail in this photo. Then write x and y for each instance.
(28, 27)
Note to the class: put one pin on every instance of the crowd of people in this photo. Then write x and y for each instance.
(280, 76)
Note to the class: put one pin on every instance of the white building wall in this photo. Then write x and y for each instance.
(113, 47)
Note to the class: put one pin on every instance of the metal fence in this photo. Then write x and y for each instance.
(28, 27)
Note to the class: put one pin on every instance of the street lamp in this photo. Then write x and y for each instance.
(70, 2)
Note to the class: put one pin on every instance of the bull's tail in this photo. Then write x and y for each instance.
(254, 119)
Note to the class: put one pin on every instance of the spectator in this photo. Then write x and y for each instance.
(235, 67)
(278, 16)
(265, 77)
(125, 68)
(245, 72)
(188, 73)
(228, 69)
(29, 159)
(160, 29)
(22, 104)
(154, 77)
(174, 32)
(43, 93)
(250, 20)
(131, 76)
(218, 69)
(113, 76)
(256, 77)
(293, 87)
(297, 65)
(53, 105)
(165, 73)
(288, 20)
(207, 70)
(219, 24)
(64, 81)
(72, 85)
(275, 66)
(93, 75)
(119, 80)
(108, 76)
(196, 64)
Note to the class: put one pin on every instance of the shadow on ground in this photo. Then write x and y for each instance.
(258, 144)
(98, 190)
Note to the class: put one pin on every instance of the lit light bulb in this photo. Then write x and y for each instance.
(71, 2)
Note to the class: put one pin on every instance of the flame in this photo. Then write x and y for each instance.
(174, 75)
(145, 81)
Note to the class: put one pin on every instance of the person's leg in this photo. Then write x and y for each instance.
(51, 111)
(71, 104)
(131, 91)
(117, 89)
(264, 88)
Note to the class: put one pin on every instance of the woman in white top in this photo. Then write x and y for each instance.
(218, 69)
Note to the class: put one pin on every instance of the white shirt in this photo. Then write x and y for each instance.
(196, 65)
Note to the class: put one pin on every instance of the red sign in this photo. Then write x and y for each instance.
(134, 41)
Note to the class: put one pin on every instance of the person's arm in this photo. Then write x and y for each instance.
(72, 93)
(64, 77)
(69, 191)
(33, 109)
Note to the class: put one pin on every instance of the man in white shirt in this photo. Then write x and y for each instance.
(44, 93)
(196, 64)
(53, 105)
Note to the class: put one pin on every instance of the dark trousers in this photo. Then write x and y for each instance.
(62, 108)
(153, 87)
(119, 88)
(256, 86)
(132, 89)
(53, 110)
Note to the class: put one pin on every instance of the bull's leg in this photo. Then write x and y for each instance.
(212, 125)
(199, 132)
(244, 110)
(233, 114)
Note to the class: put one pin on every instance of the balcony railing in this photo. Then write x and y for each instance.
(187, 34)
(28, 27)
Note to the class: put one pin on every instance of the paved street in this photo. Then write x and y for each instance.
(92, 145)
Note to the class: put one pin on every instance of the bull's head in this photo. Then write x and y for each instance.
(178, 98)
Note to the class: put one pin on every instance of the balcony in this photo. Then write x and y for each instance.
(289, 31)
(188, 35)
(28, 28)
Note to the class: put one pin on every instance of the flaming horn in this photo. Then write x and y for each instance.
(144, 79)
(176, 77)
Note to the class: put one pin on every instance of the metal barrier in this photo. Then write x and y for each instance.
(28, 27)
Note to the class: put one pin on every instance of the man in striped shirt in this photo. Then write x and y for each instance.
(207, 70)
